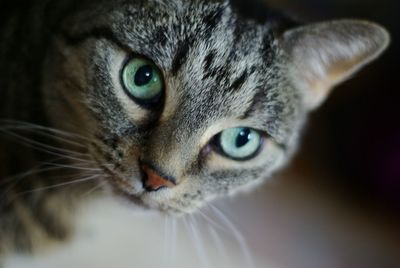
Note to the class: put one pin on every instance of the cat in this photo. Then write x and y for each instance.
(167, 104)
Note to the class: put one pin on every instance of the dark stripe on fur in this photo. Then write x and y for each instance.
(258, 98)
(240, 28)
(211, 21)
(267, 51)
(180, 56)
(160, 36)
(238, 83)
(209, 60)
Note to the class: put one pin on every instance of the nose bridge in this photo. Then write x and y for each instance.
(173, 145)
(166, 147)
(162, 139)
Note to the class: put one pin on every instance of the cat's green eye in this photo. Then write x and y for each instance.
(239, 143)
(142, 80)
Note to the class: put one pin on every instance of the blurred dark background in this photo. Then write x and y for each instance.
(353, 141)
(338, 204)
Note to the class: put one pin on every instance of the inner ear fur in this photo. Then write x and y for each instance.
(325, 54)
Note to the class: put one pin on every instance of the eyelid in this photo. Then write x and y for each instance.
(273, 139)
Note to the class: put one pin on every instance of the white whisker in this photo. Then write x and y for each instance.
(99, 185)
(14, 180)
(173, 242)
(40, 146)
(93, 177)
(74, 167)
(212, 221)
(34, 171)
(28, 125)
(220, 246)
(198, 243)
(44, 133)
(166, 238)
(238, 236)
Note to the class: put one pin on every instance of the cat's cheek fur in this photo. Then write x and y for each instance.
(63, 87)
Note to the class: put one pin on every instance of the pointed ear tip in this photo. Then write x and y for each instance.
(382, 33)
(378, 31)
(338, 40)
(374, 29)
(380, 36)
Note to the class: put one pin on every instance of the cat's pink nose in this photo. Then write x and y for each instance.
(152, 181)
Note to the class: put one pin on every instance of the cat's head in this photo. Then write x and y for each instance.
(184, 101)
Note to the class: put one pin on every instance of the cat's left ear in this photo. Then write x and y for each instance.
(325, 54)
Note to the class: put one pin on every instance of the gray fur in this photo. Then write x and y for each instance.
(222, 68)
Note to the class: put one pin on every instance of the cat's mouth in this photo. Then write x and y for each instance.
(120, 188)
(127, 189)
(135, 191)
(134, 198)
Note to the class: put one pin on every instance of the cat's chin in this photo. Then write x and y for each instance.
(133, 192)
(135, 199)
(122, 188)
(145, 202)
(129, 193)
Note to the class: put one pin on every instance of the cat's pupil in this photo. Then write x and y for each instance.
(144, 75)
(243, 137)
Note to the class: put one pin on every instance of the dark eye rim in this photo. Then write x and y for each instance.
(149, 104)
(216, 146)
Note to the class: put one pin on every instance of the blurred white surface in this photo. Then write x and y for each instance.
(287, 224)
(112, 235)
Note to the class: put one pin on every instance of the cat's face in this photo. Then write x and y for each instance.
(182, 101)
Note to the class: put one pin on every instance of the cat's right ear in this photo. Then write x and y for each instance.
(325, 54)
